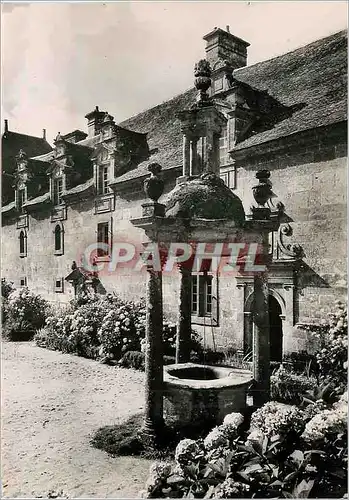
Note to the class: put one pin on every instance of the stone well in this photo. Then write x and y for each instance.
(195, 393)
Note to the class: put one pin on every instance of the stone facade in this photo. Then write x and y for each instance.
(308, 172)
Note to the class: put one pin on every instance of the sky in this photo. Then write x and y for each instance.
(60, 60)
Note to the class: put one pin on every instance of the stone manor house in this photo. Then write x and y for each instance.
(286, 114)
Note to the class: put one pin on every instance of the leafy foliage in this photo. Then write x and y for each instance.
(25, 312)
(264, 463)
(105, 328)
(333, 355)
(288, 387)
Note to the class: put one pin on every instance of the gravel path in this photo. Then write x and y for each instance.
(51, 405)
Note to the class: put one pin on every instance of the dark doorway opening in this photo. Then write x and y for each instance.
(275, 323)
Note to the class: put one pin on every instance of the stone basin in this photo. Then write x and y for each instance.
(195, 393)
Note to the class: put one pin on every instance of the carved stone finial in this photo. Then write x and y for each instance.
(262, 192)
(202, 73)
(58, 137)
(21, 155)
(154, 185)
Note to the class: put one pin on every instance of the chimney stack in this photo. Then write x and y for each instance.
(222, 47)
(44, 134)
(6, 126)
(94, 122)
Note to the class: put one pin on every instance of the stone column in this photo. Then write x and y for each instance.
(184, 319)
(194, 170)
(153, 417)
(186, 156)
(261, 337)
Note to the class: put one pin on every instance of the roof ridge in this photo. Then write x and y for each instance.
(291, 51)
(26, 135)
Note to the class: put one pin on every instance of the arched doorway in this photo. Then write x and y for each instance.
(275, 322)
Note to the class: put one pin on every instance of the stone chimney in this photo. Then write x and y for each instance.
(44, 134)
(225, 53)
(95, 119)
(6, 126)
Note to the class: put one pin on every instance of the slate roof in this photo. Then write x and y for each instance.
(313, 77)
(310, 81)
(11, 143)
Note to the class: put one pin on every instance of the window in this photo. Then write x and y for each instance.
(21, 199)
(103, 179)
(224, 157)
(23, 282)
(229, 177)
(59, 285)
(57, 191)
(201, 295)
(22, 244)
(103, 237)
(58, 239)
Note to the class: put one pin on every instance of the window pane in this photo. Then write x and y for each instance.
(194, 294)
(21, 243)
(208, 295)
(223, 147)
(58, 238)
(102, 237)
(57, 191)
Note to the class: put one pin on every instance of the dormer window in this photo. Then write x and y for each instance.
(21, 198)
(57, 191)
(103, 179)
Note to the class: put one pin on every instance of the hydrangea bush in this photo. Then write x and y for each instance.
(332, 358)
(263, 463)
(25, 313)
(105, 327)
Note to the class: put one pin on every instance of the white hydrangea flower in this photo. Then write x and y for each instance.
(233, 420)
(326, 422)
(186, 451)
(255, 437)
(216, 438)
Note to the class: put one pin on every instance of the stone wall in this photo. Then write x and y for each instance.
(311, 182)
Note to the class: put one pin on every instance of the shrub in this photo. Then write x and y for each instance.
(105, 327)
(25, 313)
(133, 359)
(288, 387)
(6, 288)
(333, 356)
(119, 331)
(136, 360)
(262, 464)
(55, 335)
(302, 362)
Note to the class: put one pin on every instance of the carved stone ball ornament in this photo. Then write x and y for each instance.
(154, 185)
(262, 192)
(202, 73)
